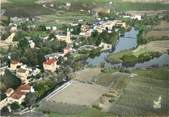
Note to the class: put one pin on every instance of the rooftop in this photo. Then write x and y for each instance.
(21, 70)
(20, 91)
(15, 62)
(49, 61)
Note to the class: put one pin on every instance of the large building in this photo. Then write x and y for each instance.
(50, 65)
(103, 25)
(20, 93)
(66, 38)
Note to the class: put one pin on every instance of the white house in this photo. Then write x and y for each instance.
(50, 65)
(105, 46)
(20, 93)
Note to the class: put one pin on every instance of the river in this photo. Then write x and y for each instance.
(128, 41)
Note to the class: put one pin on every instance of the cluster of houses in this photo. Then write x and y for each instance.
(50, 64)
(51, 60)
(23, 72)
(18, 95)
(108, 25)
(86, 30)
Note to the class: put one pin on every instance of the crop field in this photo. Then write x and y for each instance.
(159, 32)
(20, 7)
(73, 98)
(141, 92)
(115, 57)
(65, 18)
(155, 46)
(109, 79)
(165, 1)
(87, 74)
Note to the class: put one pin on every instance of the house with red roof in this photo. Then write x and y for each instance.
(50, 65)
(20, 93)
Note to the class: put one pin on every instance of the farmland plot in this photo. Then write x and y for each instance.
(139, 96)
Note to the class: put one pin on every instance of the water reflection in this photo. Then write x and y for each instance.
(129, 40)
(160, 61)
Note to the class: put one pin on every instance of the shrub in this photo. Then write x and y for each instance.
(96, 107)
(168, 51)
(129, 60)
(147, 56)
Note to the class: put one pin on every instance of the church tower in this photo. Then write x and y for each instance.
(68, 40)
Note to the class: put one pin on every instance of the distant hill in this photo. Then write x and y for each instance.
(146, 1)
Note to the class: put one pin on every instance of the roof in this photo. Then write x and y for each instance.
(15, 62)
(17, 96)
(24, 87)
(20, 91)
(49, 61)
(8, 91)
(67, 49)
(21, 70)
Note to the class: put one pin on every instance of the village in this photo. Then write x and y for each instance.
(45, 67)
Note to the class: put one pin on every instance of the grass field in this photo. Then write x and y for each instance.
(87, 75)
(153, 46)
(24, 8)
(141, 91)
(158, 32)
(88, 113)
(31, 8)
(109, 79)
(73, 98)
(65, 18)
(115, 57)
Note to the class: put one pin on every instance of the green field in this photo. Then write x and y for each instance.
(88, 113)
(115, 57)
(137, 94)
(24, 8)
(140, 93)
(31, 8)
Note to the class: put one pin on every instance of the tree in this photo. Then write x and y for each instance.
(32, 56)
(76, 29)
(20, 35)
(30, 99)
(102, 65)
(10, 80)
(129, 60)
(23, 26)
(41, 28)
(140, 39)
(15, 106)
(5, 21)
(23, 44)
